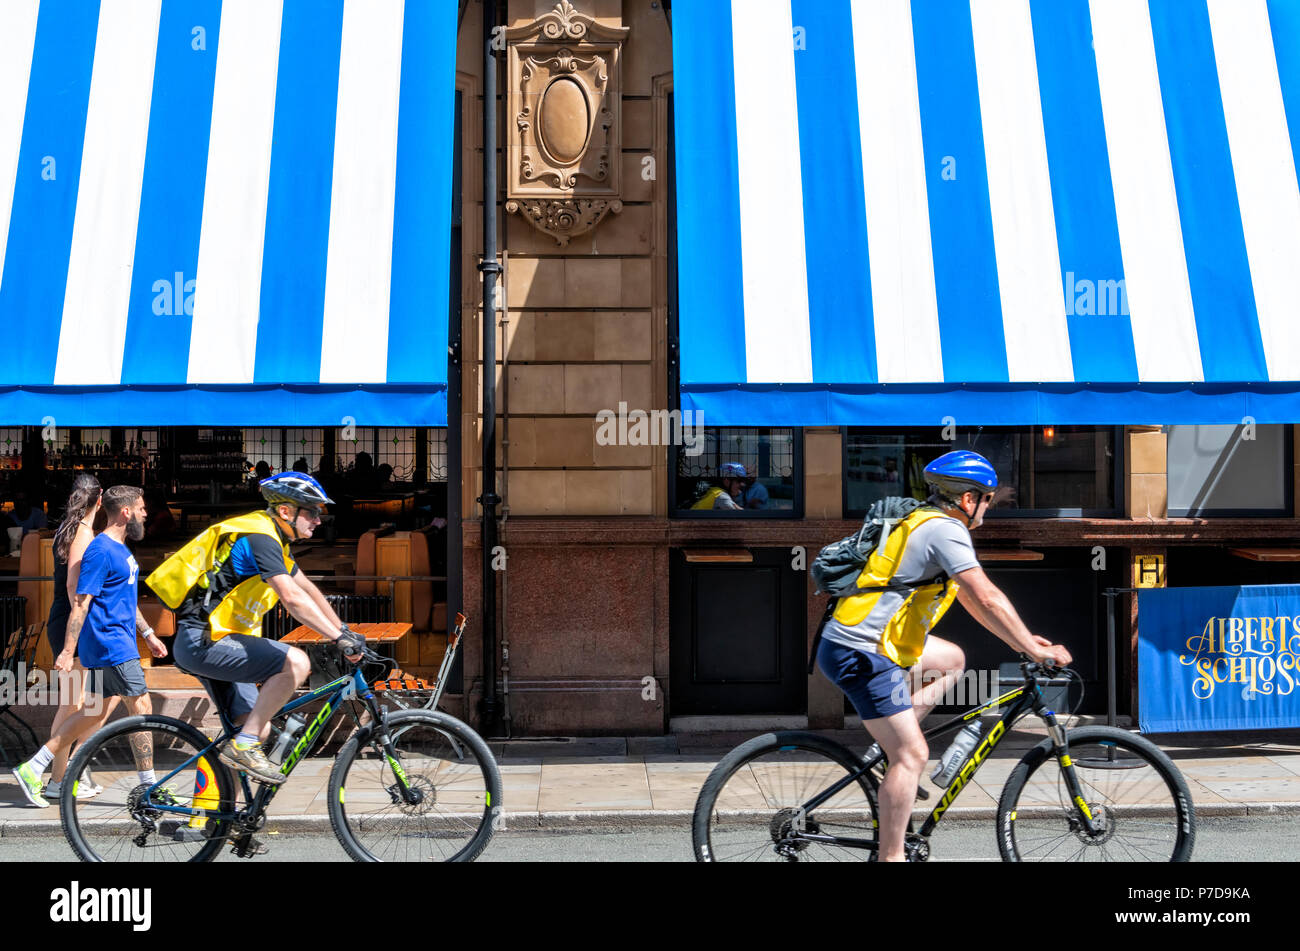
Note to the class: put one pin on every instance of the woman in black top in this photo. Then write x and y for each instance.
(74, 534)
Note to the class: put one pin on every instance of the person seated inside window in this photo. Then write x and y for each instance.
(26, 516)
(733, 477)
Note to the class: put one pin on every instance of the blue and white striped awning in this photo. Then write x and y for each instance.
(1003, 211)
(225, 211)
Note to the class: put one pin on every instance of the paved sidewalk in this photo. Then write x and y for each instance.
(622, 783)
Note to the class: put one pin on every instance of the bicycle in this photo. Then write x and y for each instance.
(797, 796)
(407, 785)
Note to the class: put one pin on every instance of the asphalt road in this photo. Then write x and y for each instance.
(1239, 839)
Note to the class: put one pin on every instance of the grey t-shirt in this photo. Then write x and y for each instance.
(938, 545)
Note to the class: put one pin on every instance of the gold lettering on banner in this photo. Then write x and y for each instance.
(1259, 654)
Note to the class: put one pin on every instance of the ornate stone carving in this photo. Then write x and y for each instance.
(565, 218)
(564, 142)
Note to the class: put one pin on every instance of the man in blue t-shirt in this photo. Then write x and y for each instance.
(103, 624)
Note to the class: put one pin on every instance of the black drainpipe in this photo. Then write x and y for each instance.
(490, 709)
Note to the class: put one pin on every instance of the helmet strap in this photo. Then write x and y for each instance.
(291, 523)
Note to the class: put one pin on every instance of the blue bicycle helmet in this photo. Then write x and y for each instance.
(296, 488)
(962, 471)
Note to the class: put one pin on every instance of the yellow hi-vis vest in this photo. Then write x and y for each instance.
(240, 611)
(904, 634)
(709, 497)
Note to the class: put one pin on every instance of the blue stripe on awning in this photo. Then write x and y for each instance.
(298, 200)
(45, 194)
(990, 404)
(417, 320)
(956, 180)
(1082, 194)
(834, 206)
(171, 200)
(1217, 268)
(1107, 385)
(709, 274)
(301, 182)
(378, 405)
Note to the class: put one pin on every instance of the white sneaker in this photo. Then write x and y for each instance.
(87, 788)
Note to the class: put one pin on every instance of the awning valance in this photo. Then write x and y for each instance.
(1003, 211)
(225, 211)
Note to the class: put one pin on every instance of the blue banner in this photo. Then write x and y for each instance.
(1219, 658)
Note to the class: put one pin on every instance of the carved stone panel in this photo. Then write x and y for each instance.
(564, 122)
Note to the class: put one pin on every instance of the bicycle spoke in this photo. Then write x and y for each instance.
(1135, 808)
(754, 812)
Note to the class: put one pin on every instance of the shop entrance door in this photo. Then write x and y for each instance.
(737, 638)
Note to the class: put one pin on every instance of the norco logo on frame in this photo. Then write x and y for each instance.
(88, 905)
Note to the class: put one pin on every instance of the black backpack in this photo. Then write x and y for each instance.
(837, 566)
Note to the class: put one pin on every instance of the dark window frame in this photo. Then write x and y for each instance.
(1117, 473)
(1288, 488)
(796, 476)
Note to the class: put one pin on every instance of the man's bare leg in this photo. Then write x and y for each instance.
(940, 667)
(276, 692)
(141, 743)
(900, 737)
(74, 729)
(71, 687)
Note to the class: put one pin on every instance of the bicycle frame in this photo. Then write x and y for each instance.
(1023, 699)
(333, 693)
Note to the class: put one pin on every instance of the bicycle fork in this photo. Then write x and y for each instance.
(402, 788)
(1061, 749)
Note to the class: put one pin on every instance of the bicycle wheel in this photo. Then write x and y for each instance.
(451, 770)
(1130, 786)
(118, 825)
(750, 803)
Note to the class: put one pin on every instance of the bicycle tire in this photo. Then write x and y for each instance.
(1026, 831)
(100, 752)
(787, 747)
(405, 729)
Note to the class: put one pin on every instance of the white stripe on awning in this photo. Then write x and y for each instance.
(354, 341)
(1265, 172)
(1020, 193)
(1146, 204)
(777, 341)
(17, 40)
(93, 332)
(906, 311)
(228, 284)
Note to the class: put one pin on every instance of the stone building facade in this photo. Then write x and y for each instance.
(586, 597)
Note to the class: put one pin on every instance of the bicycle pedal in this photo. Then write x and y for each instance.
(251, 848)
(922, 793)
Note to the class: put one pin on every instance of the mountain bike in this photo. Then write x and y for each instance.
(1087, 794)
(407, 785)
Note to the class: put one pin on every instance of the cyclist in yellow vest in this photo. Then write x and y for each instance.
(222, 583)
(732, 476)
(874, 639)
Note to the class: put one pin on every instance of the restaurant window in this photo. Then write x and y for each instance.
(95, 440)
(11, 446)
(1229, 471)
(739, 472)
(438, 466)
(396, 447)
(266, 445)
(1046, 471)
(308, 444)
